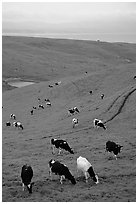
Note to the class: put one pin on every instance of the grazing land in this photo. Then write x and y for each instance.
(81, 66)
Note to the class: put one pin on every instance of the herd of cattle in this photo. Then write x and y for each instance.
(58, 168)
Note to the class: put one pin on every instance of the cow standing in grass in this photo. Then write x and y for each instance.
(26, 176)
(62, 170)
(85, 166)
(113, 147)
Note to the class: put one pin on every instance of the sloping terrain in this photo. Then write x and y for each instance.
(81, 66)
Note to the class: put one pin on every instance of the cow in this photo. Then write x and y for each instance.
(40, 106)
(102, 96)
(26, 177)
(8, 123)
(85, 166)
(12, 116)
(99, 123)
(61, 170)
(75, 122)
(61, 144)
(34, 107)
(18, 124)
(57, 83)
(90, 92)
(32, 112)
(73, 110)
(113, 147)
(51, 86)
(47, 100)
(48, 103)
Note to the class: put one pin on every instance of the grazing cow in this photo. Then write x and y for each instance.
(18, 124)
(102, 96)
(73, 110)
(61, 144)
(12, 116)
(113, 147)
(47, 100)
(75, 122)
(85, 166)
(51, 86)
(26, 176)
(48, 103)
(98, 123)
(90, 92)
(57, 83)
(134, 77)
(40, 106)
(34, 107)
(32, 112)
(61, 170)
(8, 123)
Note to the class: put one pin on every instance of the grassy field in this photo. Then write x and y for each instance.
(81, 66)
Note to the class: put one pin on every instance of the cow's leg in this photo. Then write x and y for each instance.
(50, 174)
(23, 186)
(61, 179)
(86, 176)
(59, 151)
(116, 157)
(53, 149)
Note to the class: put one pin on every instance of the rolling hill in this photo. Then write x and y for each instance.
(81, 66)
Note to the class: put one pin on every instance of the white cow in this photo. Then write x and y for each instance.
(85, 166)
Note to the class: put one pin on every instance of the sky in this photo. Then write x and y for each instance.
(106, 21)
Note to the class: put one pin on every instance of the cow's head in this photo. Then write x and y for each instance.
(51, 162)
(119, 147)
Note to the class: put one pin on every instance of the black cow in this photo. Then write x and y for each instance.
(26, 176)
(32, 112)
(113, 147)
(61, 170)
(61, 144)
(8, 123)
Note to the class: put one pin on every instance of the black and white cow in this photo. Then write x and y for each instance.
(51, 86)
(47, 100)
(99, 123)
(102, 96)
(26, 176)
(85, 166)
(40, 106)
(72, 111)
(48, 103)
(57, 83)
(90, 92)
(12, 116)
(8, 123)
(75, 122)
(62, 170)
(61, 144)
(18, 124)
(113, 147)
(34, 107)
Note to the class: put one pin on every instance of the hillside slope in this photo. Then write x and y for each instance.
(117, 178)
